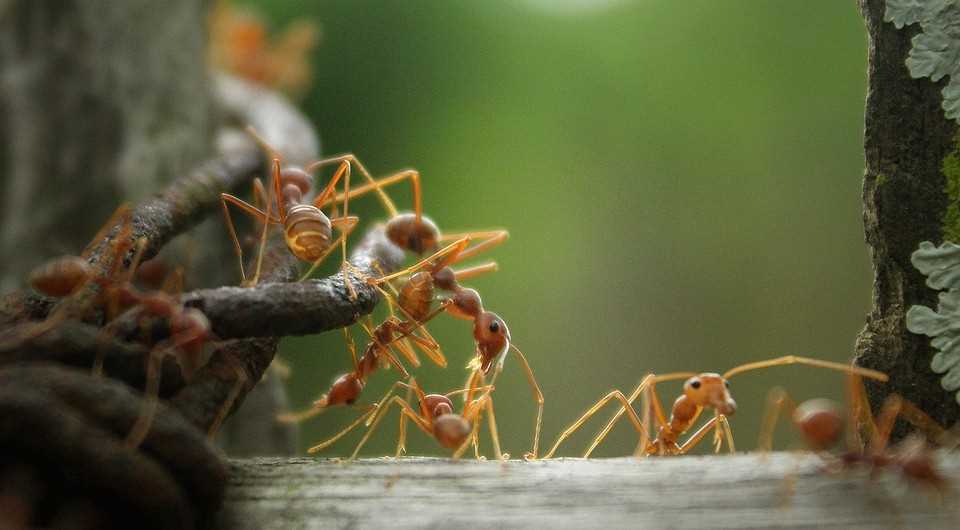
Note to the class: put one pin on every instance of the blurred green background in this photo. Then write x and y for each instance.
(681, 182)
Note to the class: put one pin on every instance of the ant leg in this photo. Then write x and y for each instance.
(860, 418)
(616, 394)
(377, 185)
(777, 399)
(405, 408)
(151, 396)
(350, 223)
(888, 415)
(489, 239)
(471, 272)
(650, 379)
(793, 359)
(352, 346)
(228, 403)
(226, 198)
(537, 397)
(453, 249)
(722, 432)
(327, 443)
(402, 434)
(266, 225)
(299, 417)
(695, 438)
(492, 423)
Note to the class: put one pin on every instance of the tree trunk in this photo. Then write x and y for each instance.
(102, 101)
(907, 138)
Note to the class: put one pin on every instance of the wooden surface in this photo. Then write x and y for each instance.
(741, 491)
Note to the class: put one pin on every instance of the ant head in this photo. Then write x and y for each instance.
(437, 405)
(445, 279)
(820, 423)
(345, 390)
(493, 338)
(710, 390)
(451, 430)
(408, 234)
(466, 304)
(298, 177)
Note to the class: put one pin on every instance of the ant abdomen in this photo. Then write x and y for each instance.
(344, 391)
(417, 295)
(308, 232)
(409, 233)
(61, 276)
(451, 430)
(820, 423)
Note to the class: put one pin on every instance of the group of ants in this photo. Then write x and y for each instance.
(413, 300)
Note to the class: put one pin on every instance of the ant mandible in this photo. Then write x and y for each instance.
(700, 391)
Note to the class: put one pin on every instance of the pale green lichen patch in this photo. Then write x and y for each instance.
(936, 49)
(941, 266)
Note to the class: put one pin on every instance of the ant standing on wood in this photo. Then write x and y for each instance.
(700, 391)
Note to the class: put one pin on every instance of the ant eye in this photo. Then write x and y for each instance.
(494, 326)
(695, 384)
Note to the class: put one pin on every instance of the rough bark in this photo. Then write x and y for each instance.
(782, 490)
(906, 140)
(102, 101)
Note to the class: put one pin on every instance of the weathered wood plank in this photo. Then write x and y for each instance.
(741, 491)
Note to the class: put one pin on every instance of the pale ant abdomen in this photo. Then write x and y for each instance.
(307, 231)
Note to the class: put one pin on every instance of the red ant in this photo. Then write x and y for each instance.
(66, 276)
(821, 424)
(700, 391)
(411, 231)
(490, 332)
(347, 387)
(436, 418)
(308, 232)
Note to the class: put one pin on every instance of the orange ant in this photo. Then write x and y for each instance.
(700, 391)
(490, 332)
(436, 418)
(821, 424)
(411, 231)
(66, 276)
(347, 387)
(308, 232)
